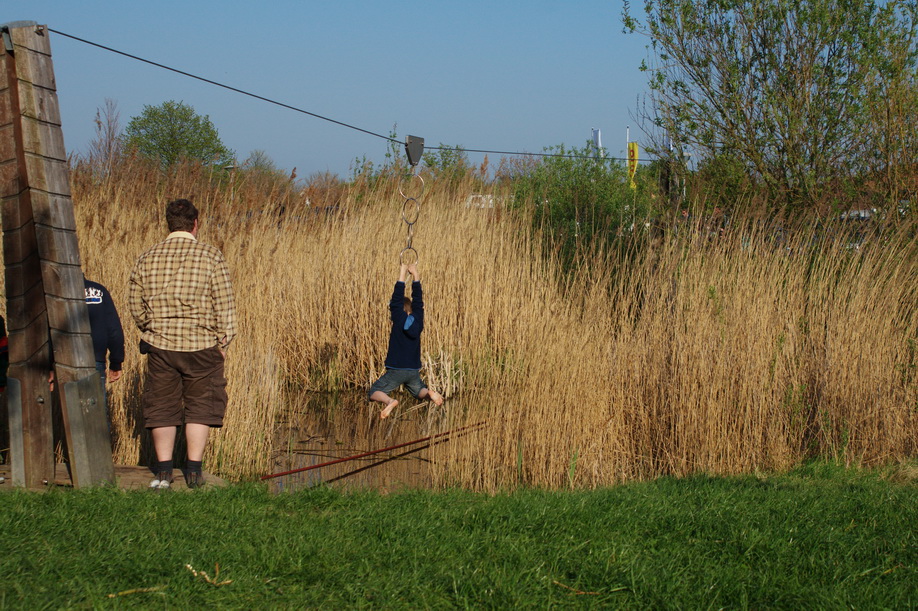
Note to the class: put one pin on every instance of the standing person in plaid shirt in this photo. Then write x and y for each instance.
(182, 301)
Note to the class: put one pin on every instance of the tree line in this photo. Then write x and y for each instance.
(794, 106)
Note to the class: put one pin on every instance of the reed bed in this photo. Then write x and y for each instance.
(690, 353)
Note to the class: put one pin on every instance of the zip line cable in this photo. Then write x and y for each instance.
(237, 90)
(316, 115)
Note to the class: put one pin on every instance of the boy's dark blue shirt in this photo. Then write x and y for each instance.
(405, 344)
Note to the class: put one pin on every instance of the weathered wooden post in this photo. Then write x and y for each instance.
(46, 309)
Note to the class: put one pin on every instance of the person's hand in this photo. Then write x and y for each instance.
(413, 270)
(114, 376)
(402, 272)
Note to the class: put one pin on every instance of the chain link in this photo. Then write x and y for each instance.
(411, 211)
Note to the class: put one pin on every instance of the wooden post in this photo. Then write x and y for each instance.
(44, 281)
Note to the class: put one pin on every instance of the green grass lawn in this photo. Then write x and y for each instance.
(821, 537)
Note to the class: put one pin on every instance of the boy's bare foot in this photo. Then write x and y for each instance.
(389, 407)
(435, 396)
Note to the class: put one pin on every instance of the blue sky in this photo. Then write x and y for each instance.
(496, 75)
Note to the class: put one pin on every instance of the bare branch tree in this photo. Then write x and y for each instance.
(106, 148)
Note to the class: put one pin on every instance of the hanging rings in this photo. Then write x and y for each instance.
(410, 215)
(411, 207)
(402, 193)
(411, 211)
(412, 256)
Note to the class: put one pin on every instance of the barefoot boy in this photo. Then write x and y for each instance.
(403, 360)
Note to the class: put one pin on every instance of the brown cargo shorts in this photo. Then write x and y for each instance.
(184, 387)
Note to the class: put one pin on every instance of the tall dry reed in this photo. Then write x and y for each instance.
(690, 353)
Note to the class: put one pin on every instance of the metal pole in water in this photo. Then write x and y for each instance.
(371, 453)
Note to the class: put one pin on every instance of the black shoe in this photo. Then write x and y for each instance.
(162, 480)
(194, 479)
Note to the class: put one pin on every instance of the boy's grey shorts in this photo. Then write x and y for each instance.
(393, 378)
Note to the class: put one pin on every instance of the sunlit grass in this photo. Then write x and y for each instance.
(819, 537)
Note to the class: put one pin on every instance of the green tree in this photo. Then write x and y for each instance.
(260, 170)
(173, 132)
(446, 162)
(260, 162)
(579, 198)
(802, 94)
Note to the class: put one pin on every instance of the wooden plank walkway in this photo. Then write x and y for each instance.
(127, 477)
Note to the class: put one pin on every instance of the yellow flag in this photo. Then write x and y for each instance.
(632, 162)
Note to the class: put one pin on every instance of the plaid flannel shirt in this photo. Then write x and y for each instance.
(181, 297)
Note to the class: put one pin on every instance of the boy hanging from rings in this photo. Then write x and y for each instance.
(403, 360)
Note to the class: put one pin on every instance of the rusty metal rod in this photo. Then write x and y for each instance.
(383, 461)
(371, 453)
(391, 458)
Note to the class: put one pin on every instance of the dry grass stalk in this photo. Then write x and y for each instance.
(723, 355)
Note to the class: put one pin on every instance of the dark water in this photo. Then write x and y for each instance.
(321, 428)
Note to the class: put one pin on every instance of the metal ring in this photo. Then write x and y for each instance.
(417, 210)
(401, 256)
(400, 192)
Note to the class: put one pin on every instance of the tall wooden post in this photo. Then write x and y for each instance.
(46, 308)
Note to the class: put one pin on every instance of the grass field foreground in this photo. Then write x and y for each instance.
(821, 536)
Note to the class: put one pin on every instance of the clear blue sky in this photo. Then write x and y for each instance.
(496, 74)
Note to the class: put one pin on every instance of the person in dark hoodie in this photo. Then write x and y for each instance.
(4, 354)
(107, 335)
(403, 359)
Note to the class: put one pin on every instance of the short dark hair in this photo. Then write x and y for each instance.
(181, 215)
